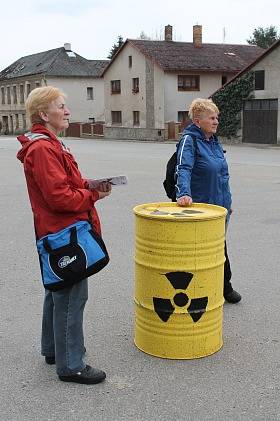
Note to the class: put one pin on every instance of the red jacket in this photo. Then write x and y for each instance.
(58, 194)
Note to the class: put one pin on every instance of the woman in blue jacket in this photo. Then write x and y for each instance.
(202, 170)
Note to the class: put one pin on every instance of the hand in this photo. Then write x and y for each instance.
(104, 186)
(104, 189)
(184, 201)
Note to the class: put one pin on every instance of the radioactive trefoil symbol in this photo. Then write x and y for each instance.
(164, 307)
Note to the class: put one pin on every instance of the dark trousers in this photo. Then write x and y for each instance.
(227, 274)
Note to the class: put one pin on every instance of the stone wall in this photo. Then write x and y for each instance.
(125, 133)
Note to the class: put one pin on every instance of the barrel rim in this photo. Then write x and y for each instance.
(170, 218)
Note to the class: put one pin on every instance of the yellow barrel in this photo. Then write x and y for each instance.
(179, 260)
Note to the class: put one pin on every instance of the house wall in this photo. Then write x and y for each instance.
(126, 101)
(12, 112)
(81, 108)
(158, 100)
(271, 65)
(13, 116)
(159, 97)
(180, 101)
(148, 101)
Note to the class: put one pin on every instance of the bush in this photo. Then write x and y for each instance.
(229, 100)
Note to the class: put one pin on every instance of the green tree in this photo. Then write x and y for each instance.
(264, 37)
(116, 47)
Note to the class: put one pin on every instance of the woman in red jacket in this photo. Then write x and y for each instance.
(59, 196)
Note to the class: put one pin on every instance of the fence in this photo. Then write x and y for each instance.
(85, 130)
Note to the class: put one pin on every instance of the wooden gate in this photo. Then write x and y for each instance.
(260, 121)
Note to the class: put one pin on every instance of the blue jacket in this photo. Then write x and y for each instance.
(202, 173)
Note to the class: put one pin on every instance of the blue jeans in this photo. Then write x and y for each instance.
(62, 328)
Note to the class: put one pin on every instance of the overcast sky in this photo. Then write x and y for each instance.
(92, 26)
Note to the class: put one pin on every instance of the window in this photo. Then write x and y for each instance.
(188, 83)
(182, 116)
(116, 117)
(135, 85)
(261, 104)
(129, 61)
(3, 95)
(136, 118)
(224, 80)
(11, 124)
(21, 94)
(28, 89)
(90, 93)
(17, 121)
(115, 86)
(37, 84)
(71, 54)
(259, 80)
(15, 94)
(8, 95)
(23, 121)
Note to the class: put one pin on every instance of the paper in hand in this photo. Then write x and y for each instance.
(118, 180)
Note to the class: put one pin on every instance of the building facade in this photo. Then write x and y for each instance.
(80, 79)
(151, 83)
(260, 116)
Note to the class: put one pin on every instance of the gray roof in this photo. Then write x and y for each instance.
(184, 56)
(56, 62)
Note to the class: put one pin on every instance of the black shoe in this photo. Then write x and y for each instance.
(88, 375)
(232, 297)
(50, 360)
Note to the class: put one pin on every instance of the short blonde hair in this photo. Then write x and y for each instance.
(201, 106)
(39, 100)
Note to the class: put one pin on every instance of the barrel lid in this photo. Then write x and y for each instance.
(171, 211)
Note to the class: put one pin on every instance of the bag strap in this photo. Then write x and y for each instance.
(35, 136)
(73, 241)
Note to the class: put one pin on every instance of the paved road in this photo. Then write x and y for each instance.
(240, 382)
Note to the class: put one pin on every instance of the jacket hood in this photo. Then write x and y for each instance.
(38, 131)
(195, 130)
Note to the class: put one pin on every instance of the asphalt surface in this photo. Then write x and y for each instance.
(240, 382)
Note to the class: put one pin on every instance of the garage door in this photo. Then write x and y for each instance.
(260, 121)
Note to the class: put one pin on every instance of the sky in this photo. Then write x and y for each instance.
(93, 26)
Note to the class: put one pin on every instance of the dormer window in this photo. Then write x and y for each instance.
(70, 54)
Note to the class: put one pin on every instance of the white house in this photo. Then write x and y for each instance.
(80, 79)
(150, 83)
(260, 120)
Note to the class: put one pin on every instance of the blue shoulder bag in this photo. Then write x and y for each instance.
(70, 255)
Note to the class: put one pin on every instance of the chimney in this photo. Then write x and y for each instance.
(197, 36)
(67, 46)
(168, 33)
